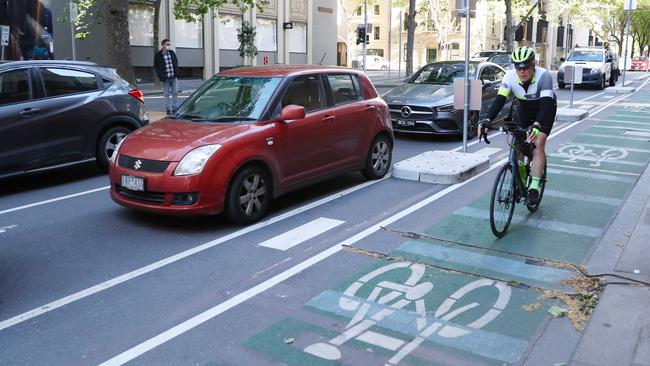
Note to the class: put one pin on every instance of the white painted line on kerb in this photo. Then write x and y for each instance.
(211, 313)
(301, 234)
(54, 200)
(169, 260)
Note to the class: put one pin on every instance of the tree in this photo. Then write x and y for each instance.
(640, 26)
(410, 37)
(443, 18)
(246, 38)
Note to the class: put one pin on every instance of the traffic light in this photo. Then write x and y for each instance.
(361, 34)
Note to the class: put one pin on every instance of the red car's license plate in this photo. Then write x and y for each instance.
(133, 183)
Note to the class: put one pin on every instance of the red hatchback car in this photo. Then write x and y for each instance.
(640, 63)
(249, 135)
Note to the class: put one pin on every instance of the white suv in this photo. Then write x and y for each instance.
(596, 66)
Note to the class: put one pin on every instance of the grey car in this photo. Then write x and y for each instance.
(424, 103)
(58, 113)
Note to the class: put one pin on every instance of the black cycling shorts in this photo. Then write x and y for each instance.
(527, 117)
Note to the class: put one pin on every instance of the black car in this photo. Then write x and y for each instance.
(55, 113)
(424, 104)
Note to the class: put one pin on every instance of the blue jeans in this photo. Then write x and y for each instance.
(169, 85)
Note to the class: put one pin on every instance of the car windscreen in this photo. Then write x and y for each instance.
(483, 54)
(441, 73)
(500, 59)
(229, 99)
(586, 56)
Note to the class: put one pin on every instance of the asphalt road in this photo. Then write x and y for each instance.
(85, 281)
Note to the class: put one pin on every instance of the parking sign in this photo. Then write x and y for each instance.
(4, 39)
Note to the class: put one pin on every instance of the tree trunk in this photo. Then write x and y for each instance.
(509, 31)
(410, 38)
(156, 39)
(117, 26)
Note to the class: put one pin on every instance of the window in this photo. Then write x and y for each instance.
(228, 26)
(188, 34)
(141, 25)
(343, 89)
(487, 74)
(64, 81)
(455, 50)
(376, 9)
(305, 91)
(14, 86)
(499, 74)
(298, 38)
(265, 39)
(376, 33)
(359, 11)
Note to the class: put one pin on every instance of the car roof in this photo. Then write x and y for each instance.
(583, 49)
(284, 70)
(47, 63)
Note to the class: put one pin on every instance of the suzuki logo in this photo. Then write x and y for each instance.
(406, 111)
(137, 164)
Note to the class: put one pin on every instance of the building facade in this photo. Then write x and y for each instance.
(287, 32)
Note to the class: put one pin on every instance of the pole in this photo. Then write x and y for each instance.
(627, 36)
(73, 18)
(572, 82)
(399, 46)
(390, 40)
(365, 26)
(466, 111)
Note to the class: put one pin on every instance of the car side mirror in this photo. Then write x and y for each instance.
(291, 112)
(609, 60)
(562, 59)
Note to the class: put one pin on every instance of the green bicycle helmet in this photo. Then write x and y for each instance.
(522, 57)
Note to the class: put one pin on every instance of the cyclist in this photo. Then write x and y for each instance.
(533, 87)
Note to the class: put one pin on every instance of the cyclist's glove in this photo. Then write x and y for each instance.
(534, 130)
(483, 127)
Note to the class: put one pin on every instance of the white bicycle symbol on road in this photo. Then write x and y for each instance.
(577, 152)
(395, 296)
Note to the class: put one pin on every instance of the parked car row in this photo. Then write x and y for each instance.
(244, 137)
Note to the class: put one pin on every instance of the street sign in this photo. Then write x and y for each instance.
(460, 8)
(4, 39)
(475, 96)
(573, 74)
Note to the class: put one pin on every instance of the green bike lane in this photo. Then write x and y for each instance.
(454, 294)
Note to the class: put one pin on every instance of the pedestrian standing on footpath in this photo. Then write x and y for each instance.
(166, 65)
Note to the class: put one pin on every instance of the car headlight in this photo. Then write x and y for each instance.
(595, 71)
(194, 161)
(446, 108)
(113, 158)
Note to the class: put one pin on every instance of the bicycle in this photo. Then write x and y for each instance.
(510, 188)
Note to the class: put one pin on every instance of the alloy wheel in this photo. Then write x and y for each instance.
(380, 157)
(252, 195)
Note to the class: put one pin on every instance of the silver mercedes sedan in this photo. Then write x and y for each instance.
(424, 104)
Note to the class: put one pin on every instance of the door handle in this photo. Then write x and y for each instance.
(29, 111)
(329, 118)
(370, 108)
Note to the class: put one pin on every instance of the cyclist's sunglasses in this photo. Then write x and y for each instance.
(522, 66)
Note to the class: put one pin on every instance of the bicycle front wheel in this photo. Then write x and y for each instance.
(502, 203)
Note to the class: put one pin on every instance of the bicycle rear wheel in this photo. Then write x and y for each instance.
(502, 203)
(542, 184)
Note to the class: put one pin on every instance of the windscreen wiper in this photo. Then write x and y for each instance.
(225, 119)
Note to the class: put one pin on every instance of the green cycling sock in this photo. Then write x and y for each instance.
(534, 183)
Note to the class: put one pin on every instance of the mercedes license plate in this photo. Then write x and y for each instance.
(406, 123)
(133, 183)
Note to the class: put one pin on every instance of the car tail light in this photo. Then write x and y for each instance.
(137, 94)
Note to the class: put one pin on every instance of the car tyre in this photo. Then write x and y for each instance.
(561, 85)
(379, 158)
(612, 79)
(249, 195)
(107, 143)
(602, 83)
